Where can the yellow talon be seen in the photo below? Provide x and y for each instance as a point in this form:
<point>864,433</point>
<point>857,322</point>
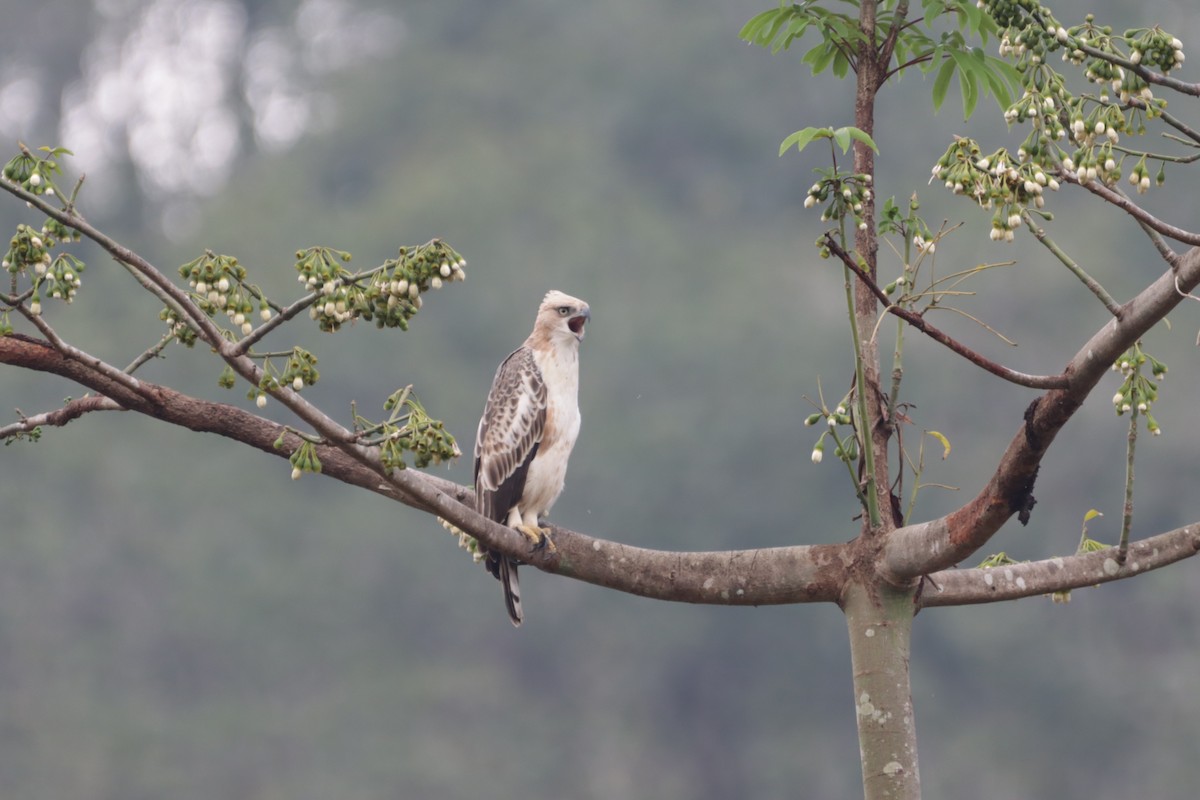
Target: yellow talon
<point>539,536</point>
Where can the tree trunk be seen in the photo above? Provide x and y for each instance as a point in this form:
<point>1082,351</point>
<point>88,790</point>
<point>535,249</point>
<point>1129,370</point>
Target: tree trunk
<point>879,619</point>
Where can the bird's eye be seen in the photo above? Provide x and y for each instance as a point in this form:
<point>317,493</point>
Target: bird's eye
<point>564,310</point>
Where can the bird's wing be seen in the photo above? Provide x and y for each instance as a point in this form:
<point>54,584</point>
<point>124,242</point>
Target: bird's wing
<point>509,434</point>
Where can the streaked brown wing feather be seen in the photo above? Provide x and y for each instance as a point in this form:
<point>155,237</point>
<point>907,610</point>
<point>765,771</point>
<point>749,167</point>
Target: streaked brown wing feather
<point>510,431</point>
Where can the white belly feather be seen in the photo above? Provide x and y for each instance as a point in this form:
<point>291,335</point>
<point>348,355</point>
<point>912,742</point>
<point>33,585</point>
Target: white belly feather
<point>548,471</point>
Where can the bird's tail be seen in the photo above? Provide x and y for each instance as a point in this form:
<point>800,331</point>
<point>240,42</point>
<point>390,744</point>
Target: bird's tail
<point>512,590</point>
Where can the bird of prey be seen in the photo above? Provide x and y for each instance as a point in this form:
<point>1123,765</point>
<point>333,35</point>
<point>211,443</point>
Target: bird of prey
<point>529,425</point>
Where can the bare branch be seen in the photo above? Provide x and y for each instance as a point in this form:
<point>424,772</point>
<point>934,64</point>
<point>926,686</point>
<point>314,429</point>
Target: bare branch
<point>937,544</point>
<point>61,416</point>
<point>917,321</point>
<point>1134,210</point>
<point>995,584</point>
<point>1079,272</point>
<point>734,577</point>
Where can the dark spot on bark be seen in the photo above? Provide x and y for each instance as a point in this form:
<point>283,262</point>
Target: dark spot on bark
<point>1022,500</point>
<point>1031,438</point>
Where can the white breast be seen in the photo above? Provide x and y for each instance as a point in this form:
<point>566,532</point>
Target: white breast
<point>548,472</point>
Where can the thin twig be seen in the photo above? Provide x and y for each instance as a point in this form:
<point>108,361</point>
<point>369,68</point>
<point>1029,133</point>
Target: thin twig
<point>73,410</point>
<point>1134,210</point>
<point>152,352</point>
<point>1149,76</point>
<point>918,322</point>
<point>1127,512</point>
<point>1091,283</point>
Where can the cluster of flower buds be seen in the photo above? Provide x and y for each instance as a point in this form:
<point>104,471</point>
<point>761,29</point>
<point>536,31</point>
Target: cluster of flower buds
<point>1154,48</point>
<point>218,284</point>
<point>28,249</point>
<point>320,270</point>
<point>395,295</point>
<point>1139,176</point>
<point>1028,33</point>
<point>61,279</point>
<point>426,438</point>
<point>846,194</point>
<point>1137,392</point>
<point>996,181</point>
<point>839,416</point>
<point>34,174</point>
<point>303,459</point>
<point>390,296</point>
<point>300,369</point>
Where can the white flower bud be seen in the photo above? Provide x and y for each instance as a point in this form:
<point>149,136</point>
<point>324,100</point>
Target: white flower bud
<point>1110,164</point>
<point>239,318</point>
<point>810,201</point>
<point>223,285</point>
<point>265,314</point>
<point>1014,221</point>
<point>435,282</point>
<point>296,473</point>
<point>201,287</point>
<point>445,270</point>
<point>1118,398</point>
<point>247,328</point>
<point>1144,183</point>
<point>413,290</point>
<point>1142,407</point>
<point>1099,127</point>
<point>1135,57</point>
<point>1176,44</point>
<point>35,180</point>
<point>36,242</point>
<point>298,383</point>
<point>261,401</point>
<point>35,308</point>
<point>817,455</point>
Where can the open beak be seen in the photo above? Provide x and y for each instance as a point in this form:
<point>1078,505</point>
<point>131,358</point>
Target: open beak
<point>577,322</point>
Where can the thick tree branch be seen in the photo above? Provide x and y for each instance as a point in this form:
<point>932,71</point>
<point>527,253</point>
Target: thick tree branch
<point>1012,581</point>
<point>735,577</point>
<point>917,321</point>
<point>935,545</point>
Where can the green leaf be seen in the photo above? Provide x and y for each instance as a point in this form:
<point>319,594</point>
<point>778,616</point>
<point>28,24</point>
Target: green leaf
<point>941,83</point>
<point>751,29</point>
<point>861,136</point>
<point>842,138</point>
<point>801,139</point>
<point>841,64</point>
<point>967,82</point>
<point>820,56</point>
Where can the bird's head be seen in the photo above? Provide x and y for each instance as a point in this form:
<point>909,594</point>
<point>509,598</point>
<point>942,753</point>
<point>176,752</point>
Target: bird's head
<point>562,317</point>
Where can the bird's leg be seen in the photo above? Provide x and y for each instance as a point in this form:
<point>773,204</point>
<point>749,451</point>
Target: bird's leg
<point>539,536</point>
